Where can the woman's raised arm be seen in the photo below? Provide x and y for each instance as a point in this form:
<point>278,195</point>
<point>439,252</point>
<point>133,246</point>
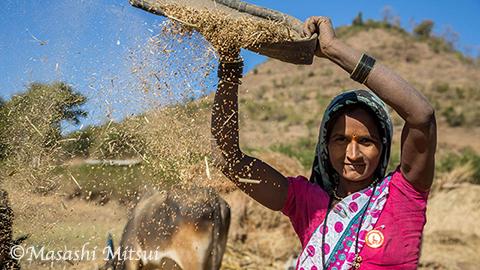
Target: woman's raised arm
<point>419,137</point>
<point>256,178</point>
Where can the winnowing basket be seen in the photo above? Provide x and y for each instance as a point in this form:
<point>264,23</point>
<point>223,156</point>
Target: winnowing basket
<point>265,31</point>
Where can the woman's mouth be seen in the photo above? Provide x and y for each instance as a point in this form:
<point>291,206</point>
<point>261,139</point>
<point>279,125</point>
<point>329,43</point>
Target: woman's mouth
<point>355,165</point>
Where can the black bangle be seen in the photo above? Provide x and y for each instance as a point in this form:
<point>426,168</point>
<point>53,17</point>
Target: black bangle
<point>363,68</point>
<point>230,72</point>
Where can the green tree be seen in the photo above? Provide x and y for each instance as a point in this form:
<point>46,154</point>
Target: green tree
<point>358,19</point>
<point>32,120</point>
<point>424,29</point>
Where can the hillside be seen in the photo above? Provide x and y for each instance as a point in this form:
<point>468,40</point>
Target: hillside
<point>290,99</point>
<point>281,107</point>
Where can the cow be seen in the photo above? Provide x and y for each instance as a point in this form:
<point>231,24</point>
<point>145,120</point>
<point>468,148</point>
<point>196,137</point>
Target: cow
<point>184,228</point>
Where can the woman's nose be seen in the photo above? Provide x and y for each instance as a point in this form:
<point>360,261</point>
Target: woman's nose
<point>353,151</point>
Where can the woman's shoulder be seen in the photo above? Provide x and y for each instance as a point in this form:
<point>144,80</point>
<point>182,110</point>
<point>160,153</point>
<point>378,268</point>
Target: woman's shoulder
<point>303,193</point>
<point>400,184</point>
<point>302,186</point>
<point>306,206</point>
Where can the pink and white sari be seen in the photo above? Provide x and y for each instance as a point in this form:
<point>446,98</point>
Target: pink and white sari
<point>341,229</point>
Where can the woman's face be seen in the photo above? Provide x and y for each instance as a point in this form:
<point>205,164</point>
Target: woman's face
<point>354,145</point>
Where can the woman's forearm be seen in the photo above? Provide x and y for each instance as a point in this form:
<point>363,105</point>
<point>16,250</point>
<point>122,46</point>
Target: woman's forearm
<point>409,103</point>
<point>253,176</point>
<point>224,126</point>
<point>264,184</point>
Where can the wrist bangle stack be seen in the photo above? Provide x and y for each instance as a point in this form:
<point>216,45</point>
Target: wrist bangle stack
<point>362,69</point>
<point>230,72</point>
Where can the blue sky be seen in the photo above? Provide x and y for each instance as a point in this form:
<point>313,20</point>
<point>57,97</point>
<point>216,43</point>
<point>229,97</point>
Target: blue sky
<point>87,42</point>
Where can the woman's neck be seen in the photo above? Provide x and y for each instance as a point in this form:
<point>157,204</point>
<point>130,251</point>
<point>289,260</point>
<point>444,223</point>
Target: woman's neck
<point>346,187</point>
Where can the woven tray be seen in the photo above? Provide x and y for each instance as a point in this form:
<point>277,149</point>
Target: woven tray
<point>291,48</point>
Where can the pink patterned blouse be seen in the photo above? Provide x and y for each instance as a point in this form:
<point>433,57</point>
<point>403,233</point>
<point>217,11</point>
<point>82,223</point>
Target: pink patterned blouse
<point>401,221</point>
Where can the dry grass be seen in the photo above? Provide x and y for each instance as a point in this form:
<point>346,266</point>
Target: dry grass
<point>463,174</point>
<point>452,217</point>
<point>226,32</point>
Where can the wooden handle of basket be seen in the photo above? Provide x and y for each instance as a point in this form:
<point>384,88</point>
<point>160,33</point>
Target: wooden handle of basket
<point>262,12</point>
<point>147,6</point>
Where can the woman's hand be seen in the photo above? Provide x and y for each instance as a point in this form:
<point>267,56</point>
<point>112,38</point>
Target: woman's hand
<point>322,26</point>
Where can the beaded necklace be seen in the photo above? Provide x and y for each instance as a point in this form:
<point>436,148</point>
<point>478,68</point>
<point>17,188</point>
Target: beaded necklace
<point>358,259</point>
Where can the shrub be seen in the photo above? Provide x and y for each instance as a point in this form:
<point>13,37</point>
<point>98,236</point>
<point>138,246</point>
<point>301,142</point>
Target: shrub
<point>424,29</point>
<point>358,19</point>
<point>438,45</point>
<point>303,150</point>
<point>453,160</point>
<point>78,143</point>
<point>119,143</point>
<point>453,118</point>
<point>442,88</point>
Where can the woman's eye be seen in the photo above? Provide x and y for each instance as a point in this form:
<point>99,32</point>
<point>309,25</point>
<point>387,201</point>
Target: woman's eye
<point>365,141</point>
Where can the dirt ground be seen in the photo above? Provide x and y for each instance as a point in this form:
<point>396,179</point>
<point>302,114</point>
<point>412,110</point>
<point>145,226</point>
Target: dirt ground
<point>452,234</point>
<point>451,238</point>
<point>258,238</point>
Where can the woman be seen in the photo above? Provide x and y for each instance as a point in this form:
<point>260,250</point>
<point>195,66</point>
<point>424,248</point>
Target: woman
<point>350,215</point>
